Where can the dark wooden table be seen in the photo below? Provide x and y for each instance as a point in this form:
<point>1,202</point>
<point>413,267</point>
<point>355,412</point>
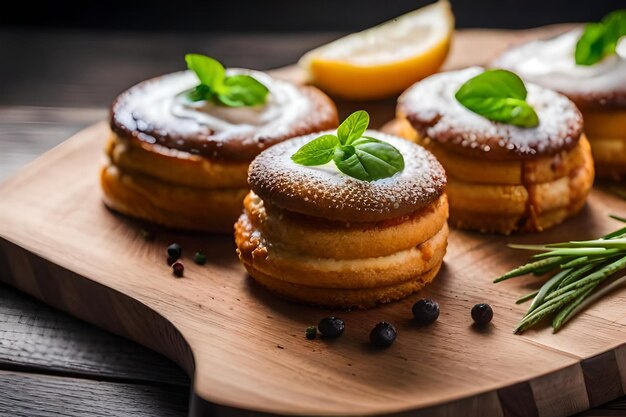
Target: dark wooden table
<point>53,84</point>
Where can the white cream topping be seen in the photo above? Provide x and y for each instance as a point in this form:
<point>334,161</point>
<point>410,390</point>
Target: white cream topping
<point>435,96</point>
<point>165,102</point>
<point>551,63</point>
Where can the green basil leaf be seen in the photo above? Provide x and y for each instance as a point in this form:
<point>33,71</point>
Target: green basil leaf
<point>506,110</point>
<point>317,152</point>
<point>241,90</point>
<point>590,46</point>
<point>498,95</point>
<point>380,159</point>
<point>493,83</point>
<point>368,159</point>
<point>348,162</point>
<point>353,127</point>
<point>209,71</point>
<point>200,92</point>
<point>600,39</point>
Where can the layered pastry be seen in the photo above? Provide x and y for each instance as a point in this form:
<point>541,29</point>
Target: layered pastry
<point>599,91</point>
<point>182,163</point>
<point>501,178</point>
<point>320,237</point>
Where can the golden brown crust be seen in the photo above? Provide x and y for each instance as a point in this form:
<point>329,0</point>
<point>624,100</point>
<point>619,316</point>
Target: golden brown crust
<point>307,235</point>
<point>342,298</point>
<point>433,112</point>
<point>170,205</point>
<point>508,196</point>
<point>326,193</point>
<point>314,271</point>
<point>189,136</point>
<point>607,136</point>
<point>532,207</point>
<point>174,166</point>
<point>329,263</point>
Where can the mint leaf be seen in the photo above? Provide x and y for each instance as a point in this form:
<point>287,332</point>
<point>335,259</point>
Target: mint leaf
<point>380,159</point>
<point>368,159</point>
<point>363,158</point>
<point>200,92</point>
<point>353,127</point>
<point>241,90</point>
<point>498,95</point>
<point>590,46</point>
<point>348,162</point>
<point>600,39</point>
<point>231,91</point>
<point>209,71</point>
<point>317,152</point>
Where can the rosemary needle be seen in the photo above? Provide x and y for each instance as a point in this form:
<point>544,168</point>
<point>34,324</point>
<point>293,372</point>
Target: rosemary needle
<point>577,269</point>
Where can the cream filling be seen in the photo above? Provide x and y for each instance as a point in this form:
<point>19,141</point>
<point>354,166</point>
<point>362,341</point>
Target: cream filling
<point>551,63</point>
<point>167,101</point>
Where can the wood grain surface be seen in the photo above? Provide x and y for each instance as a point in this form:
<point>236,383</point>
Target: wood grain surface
<point>114,399</point>
<point>450,362</point>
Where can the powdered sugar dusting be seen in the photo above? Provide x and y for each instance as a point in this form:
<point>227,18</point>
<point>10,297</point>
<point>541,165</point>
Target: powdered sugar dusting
<point>434,111</point>
<point>326,192</point>
<point>158,111</point>
<point>551,63</point>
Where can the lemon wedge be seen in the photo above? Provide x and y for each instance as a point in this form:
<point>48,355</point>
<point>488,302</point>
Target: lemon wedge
<point>386,59</point>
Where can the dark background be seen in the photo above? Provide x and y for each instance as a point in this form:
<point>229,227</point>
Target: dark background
<point>289,15</point>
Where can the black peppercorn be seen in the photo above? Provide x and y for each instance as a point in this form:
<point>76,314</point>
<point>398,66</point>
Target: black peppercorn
<point>426,311</point>
<point>331,327</point>
<point>383,334</point>
<point>482,313</point>
<point>174,251</point>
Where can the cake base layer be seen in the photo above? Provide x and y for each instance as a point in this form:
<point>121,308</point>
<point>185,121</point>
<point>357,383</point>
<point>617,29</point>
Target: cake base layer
<point>170,205</point>
<point>508,196</point>
<point>342,298</point>
<point>339,278</point>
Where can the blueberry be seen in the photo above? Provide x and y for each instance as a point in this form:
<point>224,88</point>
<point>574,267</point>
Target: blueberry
<point>174,251</point>
<point>426,311</point>
<point>331,327</point>
<point>383,334</point>
<point>482,313</point>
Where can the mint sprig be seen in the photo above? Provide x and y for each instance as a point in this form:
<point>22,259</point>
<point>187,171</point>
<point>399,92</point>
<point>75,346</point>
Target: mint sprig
<point>580,266</point>
<point>361,157</point>
<point>498,95</point>
<point>600,39</point>
<point>215,85</point>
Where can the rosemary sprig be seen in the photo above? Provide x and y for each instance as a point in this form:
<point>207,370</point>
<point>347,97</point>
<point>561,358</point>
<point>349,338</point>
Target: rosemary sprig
<point>577,268</point>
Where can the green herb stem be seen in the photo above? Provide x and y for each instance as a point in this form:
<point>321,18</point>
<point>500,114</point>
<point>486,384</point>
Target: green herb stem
<point>598,275</point>
<point>526,297</point>
<point>530,267</point>
<point>585,301</point>
<point>578,269</point>
<point>546,288</point>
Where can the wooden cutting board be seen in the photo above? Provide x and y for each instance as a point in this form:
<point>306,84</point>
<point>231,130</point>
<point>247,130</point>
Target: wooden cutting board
<point>246,348</point>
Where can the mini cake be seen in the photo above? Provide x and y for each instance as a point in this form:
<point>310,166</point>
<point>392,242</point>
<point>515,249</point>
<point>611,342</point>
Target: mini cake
<point>320,237</point>
<point>599,91</point>
<point>501,178</point>
<point>182,163</point>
